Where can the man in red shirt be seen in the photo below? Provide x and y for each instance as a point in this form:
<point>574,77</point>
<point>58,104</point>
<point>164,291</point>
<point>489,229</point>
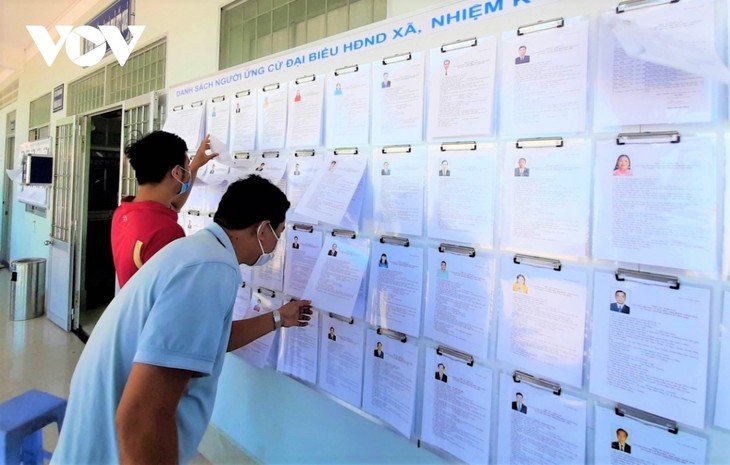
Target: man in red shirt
<point>144,224</point>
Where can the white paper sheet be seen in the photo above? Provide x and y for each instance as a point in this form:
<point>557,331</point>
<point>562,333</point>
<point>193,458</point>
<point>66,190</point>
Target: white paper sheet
<point>546,199</point>
<point>192,221</point>
<point>461,190</point>
<point>457,402</point>
<point>215,173</point>
<point>660,211</point>
<point>633,91</point>
<point>306,102</point>
<point>341,358</point>
<point>298,350</point>
<point>217,121</point>
<point>338,274</point>
<point>271,166</point>
<point>329,194</point>
<point>257,352</point>
<point>271,125</point>
<point>398,191</point>
<point>351,218</point>
<point>459,300</point>
<point>398,89</point>
<point>542,320</point>
<point>544,80</point>
<point>654,357</point>
<point>303,248</point>
<point>244,294</point>
<point>722,401</point>
<point>396,287</point>
<point>389,384</point>
<point>537,426</point>
<point>301,170</point>
<point>243,122</point>
<point>647,443</point>
<point>726,228</point>
<point>188,124</point>
<point>461,90</point>
<point>348,108</point>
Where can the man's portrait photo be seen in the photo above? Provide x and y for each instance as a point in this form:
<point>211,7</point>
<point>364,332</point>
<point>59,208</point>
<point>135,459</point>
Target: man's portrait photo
<point>331,335</point>
<point>378,352</point>
<point>295,242</point>
<point>444,171</point>
<point>333,164</point>
<point>386,81</point>
<point>521,169</point>
<point>441,373</point>
<point>443,272</point>
<point>333,251</point>
<point>386,169</point>
<point>297,172</point>
<point>621,445</point>
<point>518,405</point>
<point>523,57</point>
<point>620,304</point>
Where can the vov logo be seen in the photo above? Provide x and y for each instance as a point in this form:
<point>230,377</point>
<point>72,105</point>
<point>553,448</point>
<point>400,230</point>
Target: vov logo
<point>72,38</point>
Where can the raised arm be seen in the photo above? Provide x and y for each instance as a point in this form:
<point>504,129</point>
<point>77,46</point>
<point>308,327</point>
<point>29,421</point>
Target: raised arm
<point>198,161</point>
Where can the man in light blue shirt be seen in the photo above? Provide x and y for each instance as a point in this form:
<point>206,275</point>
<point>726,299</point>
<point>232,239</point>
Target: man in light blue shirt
<point>144,387</point>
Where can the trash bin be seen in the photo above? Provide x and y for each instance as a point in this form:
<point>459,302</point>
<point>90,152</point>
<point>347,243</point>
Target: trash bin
<point>27,288</point>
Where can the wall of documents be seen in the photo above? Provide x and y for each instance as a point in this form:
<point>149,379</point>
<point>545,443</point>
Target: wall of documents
<point>511,218</point>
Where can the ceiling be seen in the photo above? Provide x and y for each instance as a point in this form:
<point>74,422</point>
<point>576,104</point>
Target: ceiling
<point>16,45</point>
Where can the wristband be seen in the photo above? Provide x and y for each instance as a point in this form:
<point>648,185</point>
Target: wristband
<point>277,319</point>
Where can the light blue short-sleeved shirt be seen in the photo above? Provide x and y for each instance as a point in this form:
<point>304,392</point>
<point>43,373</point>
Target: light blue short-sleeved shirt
<point>175,312</point>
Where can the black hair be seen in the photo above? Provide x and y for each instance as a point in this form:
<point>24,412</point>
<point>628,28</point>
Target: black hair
<point>250,201</point>
<point>621,429</point>
<point>519,394</point>
<point>155,154</point>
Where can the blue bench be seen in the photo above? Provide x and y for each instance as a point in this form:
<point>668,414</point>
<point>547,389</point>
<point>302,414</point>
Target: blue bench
<point>22,419</point>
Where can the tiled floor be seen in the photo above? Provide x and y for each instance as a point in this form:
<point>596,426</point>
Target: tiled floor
<point>37,354</point>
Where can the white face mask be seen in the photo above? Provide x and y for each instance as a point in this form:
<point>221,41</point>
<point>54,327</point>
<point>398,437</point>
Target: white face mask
<point>265,257</point>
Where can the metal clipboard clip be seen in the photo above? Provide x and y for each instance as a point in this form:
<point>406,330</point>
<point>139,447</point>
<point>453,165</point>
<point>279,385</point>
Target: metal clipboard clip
<point>671,281</point>
<point>657,137</point>
<point>346,151</point>
<point>270,154</point>
<point>344,233</point>
<point>459,44</point>
<point>458,250</point>
<point>456,355</point>
<point>397,58</point>
<point>305,79</point>
<point>395,240</point>
<point>241,156</point>
<point>403,148</point>
<point>629,5</point>
<point>520,376</point>
<point>178,108</point>
<point>539,142</point>
<point>194,212</point>
<point>266,292</point>
<point>392,334</point>
<point>304,153</point>
<point>243,93</point>
<point>220,98</point>
<point>467,145</point>
<point>270,87</point>
<point>344,319</point>
<point>196,104</point>
<point>347,69</point>
<point>555,264</point>
<point>540,26</point>
<point>303,227</point>
<point>646,418</point>
<point>211,215</point>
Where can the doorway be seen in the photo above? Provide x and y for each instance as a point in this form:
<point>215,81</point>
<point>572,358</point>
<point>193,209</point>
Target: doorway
<point>104,150</point>
<point>7,190</point>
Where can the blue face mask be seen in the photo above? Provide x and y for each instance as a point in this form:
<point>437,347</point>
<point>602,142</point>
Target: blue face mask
<point>185,185</point>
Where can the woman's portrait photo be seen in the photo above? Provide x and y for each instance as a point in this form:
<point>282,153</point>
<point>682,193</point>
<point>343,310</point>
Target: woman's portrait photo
<point>623,166</point>
<point>383,263</point>
<point>519,285</point>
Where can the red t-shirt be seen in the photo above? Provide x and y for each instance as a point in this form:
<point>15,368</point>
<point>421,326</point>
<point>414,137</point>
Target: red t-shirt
<point>139,230</point>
